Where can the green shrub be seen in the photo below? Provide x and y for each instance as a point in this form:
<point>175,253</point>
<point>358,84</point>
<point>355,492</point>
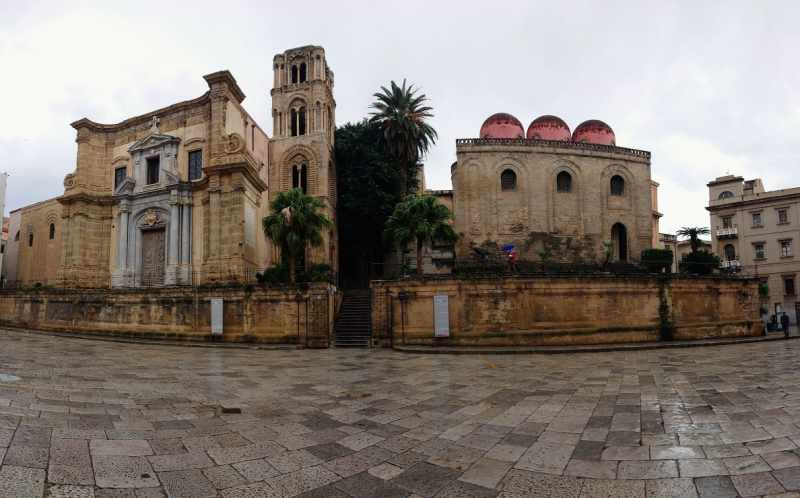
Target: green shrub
<point>700,263</point>
<point>657,260</point>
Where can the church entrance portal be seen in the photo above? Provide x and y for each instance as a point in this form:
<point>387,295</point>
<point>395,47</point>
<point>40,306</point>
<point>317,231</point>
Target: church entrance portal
<point>620,237</point>
<point>153,257</point>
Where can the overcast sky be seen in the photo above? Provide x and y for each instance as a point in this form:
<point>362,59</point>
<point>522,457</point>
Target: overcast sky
<point>707,87</point>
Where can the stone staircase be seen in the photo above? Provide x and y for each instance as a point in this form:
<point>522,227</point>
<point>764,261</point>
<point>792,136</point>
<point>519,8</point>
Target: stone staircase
<point>353,326</point>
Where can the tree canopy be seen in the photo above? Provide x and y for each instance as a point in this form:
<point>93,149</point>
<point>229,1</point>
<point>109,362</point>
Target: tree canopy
<point>693,233</point>
<point>295,222</point>
<point>401,116</point>
<point>421,219</point>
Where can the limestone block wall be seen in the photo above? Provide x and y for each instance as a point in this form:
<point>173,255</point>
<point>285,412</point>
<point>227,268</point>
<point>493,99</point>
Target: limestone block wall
<point>566,310</point>
<point>251,313</point>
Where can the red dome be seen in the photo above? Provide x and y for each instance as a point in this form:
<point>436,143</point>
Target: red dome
<point>594,132</point>
<point>548,128</point>
<point>502,125</point>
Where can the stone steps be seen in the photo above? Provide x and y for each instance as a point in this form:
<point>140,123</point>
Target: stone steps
<point>354,323</point>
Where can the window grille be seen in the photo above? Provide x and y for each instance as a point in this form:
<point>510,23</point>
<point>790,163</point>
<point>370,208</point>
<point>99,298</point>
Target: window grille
<point>783,216</point>
<point>617,185</point>
<point>508,180</point>
<point>786,248</point>
<point>153,164</point>
<point>195,164</point>
<point>759,251</point>
<point>564,182</point>
<point>756,219</point>
<point>119,176</point>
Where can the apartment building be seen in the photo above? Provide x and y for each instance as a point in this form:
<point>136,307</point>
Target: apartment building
<point>755,228</point>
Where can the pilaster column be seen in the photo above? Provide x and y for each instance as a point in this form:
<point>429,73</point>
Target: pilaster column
<point>186,234</point>
<point>173,232</point>
<point>122,237</point>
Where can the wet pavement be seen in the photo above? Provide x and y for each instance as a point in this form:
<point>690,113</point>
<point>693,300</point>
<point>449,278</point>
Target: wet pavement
<point>90,418</point>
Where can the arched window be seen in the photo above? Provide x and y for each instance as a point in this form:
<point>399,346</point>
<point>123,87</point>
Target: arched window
<point>294,74</point>
<point>508,180</point>
<point>564,182</point>
<point>30,240</point>
<point>617,185</point>
<point>725,195</point>
<point>300,177</point>
<point>52,231</point>
<point>730,252</point>
<point>301,127</point>
<point>302,72</point>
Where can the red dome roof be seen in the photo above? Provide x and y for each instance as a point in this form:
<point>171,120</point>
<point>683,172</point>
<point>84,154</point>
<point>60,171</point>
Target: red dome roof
<point>548,128</point>
<point>502,125</point>
<point>595,132</point>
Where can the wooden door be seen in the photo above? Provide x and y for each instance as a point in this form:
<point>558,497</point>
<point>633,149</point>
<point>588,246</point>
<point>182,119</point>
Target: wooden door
<point>153,257</point>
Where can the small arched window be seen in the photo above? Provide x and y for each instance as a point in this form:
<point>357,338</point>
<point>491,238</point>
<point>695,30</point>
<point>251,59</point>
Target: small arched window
<point>508,180</point>
<point>617,185</point>
<point>52,231</point>
<point>294,74</point>
<point>564,182</point>
<point>725,195</point>
<point>302,72</point>
<point>301,126</point>
<point>30,240</point>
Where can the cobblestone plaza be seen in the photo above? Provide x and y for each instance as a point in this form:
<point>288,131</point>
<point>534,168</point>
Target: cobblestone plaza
<point>106,419</point>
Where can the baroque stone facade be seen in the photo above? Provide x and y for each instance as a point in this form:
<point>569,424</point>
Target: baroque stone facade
<point>550,192</point>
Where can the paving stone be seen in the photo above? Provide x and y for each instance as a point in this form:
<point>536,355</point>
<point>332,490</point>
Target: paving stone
<point>187,484</point>
<point>114,471</point>
<point>460,489</point>
<point>746,465</point>
<point>702,468</point>
<point>132,447</point>
<point>647,469</point>
<point>64,474</point>
<point>385,471</point>
<point>789,478</point>
<point>715,487</point>
<point>257,490</point>
<point>302,480</point>
<point>32,436</point>
<point>781,459</point>
<point>70,491</point>
<point>726,451</point>
<point>425,479</point>
<point>593,469</point>
<point>626,453</point>
<point>347,466</point>
<point>658,452</point>
<point>224,456</point>
<point>756,484</point>
<point>456,457</point>
<point>22,482</point>
<point>364,485</point>
<point>255,470</point>
<point>670,488</point>
<point>486,472</point>
<point>603,488</point>
<point>26,456</point>
<point>771,446</point>
<point>181,461</point>
<point>224,476</point>
<point>551,458</point>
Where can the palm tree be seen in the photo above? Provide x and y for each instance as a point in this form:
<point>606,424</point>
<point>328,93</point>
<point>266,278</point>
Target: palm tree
<point>420,218</point>
<point>294,223</point>
<point>693,234</point>
<point>543,255</point>
<point>400,114</point>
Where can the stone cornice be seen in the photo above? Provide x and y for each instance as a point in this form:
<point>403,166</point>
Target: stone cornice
<point>181,106</point>
<point>503,144</point>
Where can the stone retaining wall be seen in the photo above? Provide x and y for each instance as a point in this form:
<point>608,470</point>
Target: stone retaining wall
<point>554,310</point>
<point>250,313</point>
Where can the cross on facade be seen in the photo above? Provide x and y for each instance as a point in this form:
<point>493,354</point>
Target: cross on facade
<point>154,124</point>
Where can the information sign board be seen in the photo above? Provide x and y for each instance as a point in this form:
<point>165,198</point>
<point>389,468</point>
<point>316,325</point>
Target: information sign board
<point>216,316</point>
<point>441,316</point>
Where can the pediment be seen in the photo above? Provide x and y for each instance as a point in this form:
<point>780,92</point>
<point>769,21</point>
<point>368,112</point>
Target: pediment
<point>170,177</point>
<point>126,187</point>
<point>154,140</point>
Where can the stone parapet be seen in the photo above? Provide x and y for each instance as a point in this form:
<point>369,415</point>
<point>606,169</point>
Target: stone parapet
<point>553,310</point>
<point>251,313</point>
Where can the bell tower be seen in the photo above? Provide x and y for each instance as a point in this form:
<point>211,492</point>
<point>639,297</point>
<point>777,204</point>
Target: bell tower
<point>301,150</point>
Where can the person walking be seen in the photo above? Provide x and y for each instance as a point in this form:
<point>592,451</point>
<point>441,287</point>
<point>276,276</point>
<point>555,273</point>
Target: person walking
<point>773,322</point>
<point>512,261</point>
<point>785,324</point>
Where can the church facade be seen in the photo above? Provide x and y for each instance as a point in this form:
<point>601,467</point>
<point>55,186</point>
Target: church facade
<point>549,189</point>
<point>176,196</point>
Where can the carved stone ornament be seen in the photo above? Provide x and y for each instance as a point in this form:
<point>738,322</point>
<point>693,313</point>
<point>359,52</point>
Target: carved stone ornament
<point>234,144</point>
<point>69,181</point>
<point>151,219</point>
<point>82,137</point>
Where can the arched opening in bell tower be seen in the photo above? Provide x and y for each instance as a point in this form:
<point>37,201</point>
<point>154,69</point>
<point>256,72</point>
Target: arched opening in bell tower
<point>303,72</point>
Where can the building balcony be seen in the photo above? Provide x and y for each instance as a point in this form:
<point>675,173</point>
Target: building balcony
<point>727,232</point>
<point>733,263</point>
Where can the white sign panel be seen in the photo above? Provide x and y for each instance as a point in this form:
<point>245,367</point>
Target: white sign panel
<point>250,225</point>
<point>441,316</point>
<point>216,315</point>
